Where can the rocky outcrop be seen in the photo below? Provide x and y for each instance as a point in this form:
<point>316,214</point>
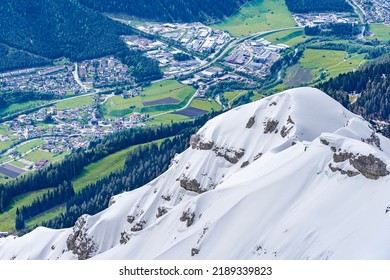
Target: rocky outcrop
<point>196,142</point>
<point>79,243</point>
<point>244,164</point>
<point>285,131</point>
<point>125,237</point>
<point>349,173</point>
<point>231,155</point>
<point>188,217</point>
<point>130,219</point>
<point>161,211</point>
<point>270,126</point>
<point>138,226</point>
<point>250,122</point>
<point>191,185</point>
<point>369,166</point>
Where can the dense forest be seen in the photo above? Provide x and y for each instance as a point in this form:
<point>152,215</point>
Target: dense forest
<point>319,6</point>
<point>142,165</point>
<point>168,10</point>
<point>11,58</point>
<point>344,30</point>
<point>372,86</point>
<point>54,29</point>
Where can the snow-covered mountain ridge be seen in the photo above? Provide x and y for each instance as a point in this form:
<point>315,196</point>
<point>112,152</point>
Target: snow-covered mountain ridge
<point>292,176</point>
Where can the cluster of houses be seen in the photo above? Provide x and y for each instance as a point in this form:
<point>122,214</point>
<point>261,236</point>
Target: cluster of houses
<point>376,11</point>
<point>255,57</point>
<point>312,19</point>
<point>164,54</point>
<point>193,36</point>
<point>104,72</point>
<point>54,79</point>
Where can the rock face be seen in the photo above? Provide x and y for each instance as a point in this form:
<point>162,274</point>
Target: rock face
<point>196,142</point>
<point>191,185</point>
<point>250,122</point>
<point>369,166</point>
<point>270,126</point>
<point>231,155</point>
<point>79,243</point>
<point>188,217</point>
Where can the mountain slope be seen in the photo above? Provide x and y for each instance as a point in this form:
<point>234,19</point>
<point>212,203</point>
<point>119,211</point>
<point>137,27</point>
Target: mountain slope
<point>292,176</point>
<point>168,10</point>
<point>53,29</point>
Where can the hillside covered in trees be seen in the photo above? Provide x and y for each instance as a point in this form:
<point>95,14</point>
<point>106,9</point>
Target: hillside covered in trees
<point>311,6</point>
<point>31,30</point>
<point>372,86</point>
<point>168,10</point>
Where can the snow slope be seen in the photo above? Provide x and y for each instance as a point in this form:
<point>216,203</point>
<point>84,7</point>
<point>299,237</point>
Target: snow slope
<point>292,176</point>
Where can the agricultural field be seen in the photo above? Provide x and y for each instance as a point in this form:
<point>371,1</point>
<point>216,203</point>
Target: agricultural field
<point>72,103</point>
<point>38,155</point>
<point>159,97</point>
<point>14,108</point>
<point>328,63</point>
<point>257,16</point>
<point>288,37</point>
<point>381,32</point>
<point>205,104</point>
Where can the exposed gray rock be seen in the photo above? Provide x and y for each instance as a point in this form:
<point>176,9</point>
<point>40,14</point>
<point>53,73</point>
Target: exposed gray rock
<point>256,157</point>
<point>323,141</point>
<point>188,217</point>
<point>194,251</point>
<point>125,237</point>
<point>285,131</point>
<point>290,121</point>
<point>161,211</point>
<point>370,166</point>
<point>130,219</point>
<point>270,126</point>
<point>232,156</point>
<point>245,163</point>
<point>250,122</point>
<point>197,143</point>
<point>167,197</point>
<point>79,243</point>
<point>138,226</point>
<point>191,185</point>
<point>349,173</point>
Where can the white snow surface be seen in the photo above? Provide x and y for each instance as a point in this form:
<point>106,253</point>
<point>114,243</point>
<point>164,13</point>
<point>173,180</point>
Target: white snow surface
<point>284,202</point>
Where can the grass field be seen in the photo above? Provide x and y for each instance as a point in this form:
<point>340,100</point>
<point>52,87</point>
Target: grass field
<point>97,170</point>
<point>168,118</point>
<point>7,218</point>
<point>288,37</point>
<point>45,216</point>
<point>382,32</point>
<point>30,145</point>
<point>13,108</point>
<point>205,104</point>
<point>18,164</point>
<point>256,16</point>
<point>319,60</point>
<point>75,102</point>
<point>117,106</point>
<point>38,155</point>
<point>331,61</point>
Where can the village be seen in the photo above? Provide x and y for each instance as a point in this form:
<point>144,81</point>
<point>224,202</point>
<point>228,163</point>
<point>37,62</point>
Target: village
<point>312,19</point>
<point>53,79</point>
<point>195,37</point>
<point>254,57</point>
<point>171,60</point>
<point>375,11</point>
